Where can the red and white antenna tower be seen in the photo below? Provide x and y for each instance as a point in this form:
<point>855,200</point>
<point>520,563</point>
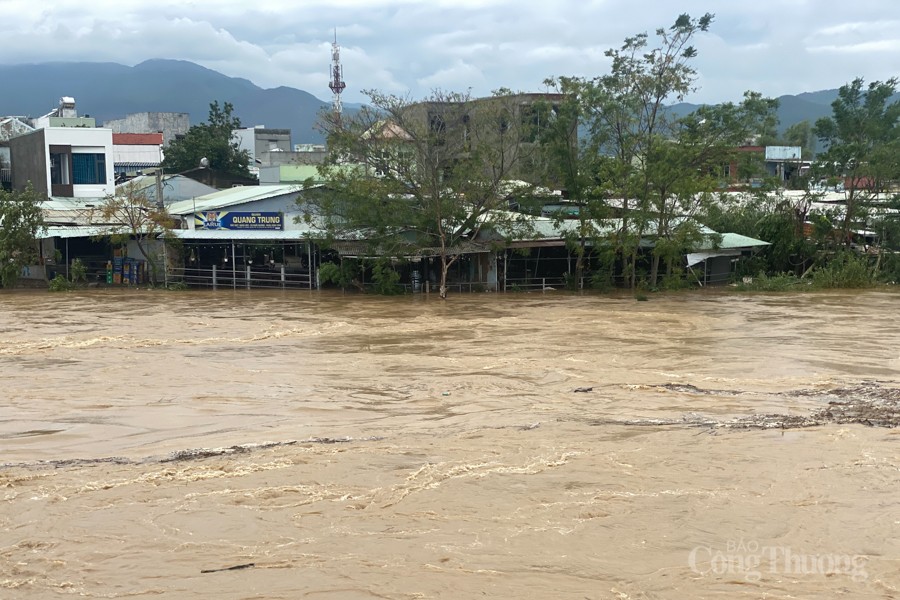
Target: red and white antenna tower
<point>337,84</point>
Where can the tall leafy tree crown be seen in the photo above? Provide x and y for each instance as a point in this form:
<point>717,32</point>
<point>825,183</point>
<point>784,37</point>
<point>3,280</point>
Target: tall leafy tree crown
<point>213,140</point>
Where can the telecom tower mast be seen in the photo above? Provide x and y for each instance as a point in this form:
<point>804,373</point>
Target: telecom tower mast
<point>337,84</point>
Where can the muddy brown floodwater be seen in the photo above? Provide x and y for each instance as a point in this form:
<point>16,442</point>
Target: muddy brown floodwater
<point>359,447</point>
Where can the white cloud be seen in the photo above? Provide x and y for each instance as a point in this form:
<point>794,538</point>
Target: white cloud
<point>458,77</point>
<point>774,46</point>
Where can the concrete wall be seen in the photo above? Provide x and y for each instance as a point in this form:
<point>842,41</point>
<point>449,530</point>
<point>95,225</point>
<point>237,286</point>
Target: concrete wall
<point>48,121</point>
<point>272,141</point>
<point>171,124</point>
<point>265,145</point>
<point>29,158</point>
<point>85,141</point>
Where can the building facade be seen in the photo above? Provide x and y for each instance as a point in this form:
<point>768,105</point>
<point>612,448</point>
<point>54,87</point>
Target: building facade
<point>69,162</point>
<point>170,124</point>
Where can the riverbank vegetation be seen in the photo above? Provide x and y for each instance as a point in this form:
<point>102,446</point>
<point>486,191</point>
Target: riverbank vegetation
<point>637,186</point>
<point>21,223</point>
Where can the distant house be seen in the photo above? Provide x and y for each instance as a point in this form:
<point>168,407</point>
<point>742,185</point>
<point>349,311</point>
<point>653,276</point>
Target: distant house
<point>136,152</point>
<point>219,180</point>
<point>170,124</point>
<point>64,115</point>
<point>69,162</point>
<point>272,148</point>
<point>782,163</point>
<point>11,127</point>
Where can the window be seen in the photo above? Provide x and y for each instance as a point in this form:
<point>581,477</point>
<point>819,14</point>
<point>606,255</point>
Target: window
<point>536,118</point>
<point>88,169</point>
<point>59,168</point>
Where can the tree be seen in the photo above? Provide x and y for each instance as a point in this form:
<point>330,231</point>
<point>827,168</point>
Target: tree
<point>638,159</point>
<point>627,114</point>
<point>431,175</point>
<point>572,162</point>
<point>862,146</point>
<point>684,173</point>
<point>131,216</point>
<point>801,134</point>
<point>214,141</point>
<point>21,222</point>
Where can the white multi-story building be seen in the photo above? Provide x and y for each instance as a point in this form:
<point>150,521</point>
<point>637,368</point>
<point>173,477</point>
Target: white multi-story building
<point>69,162</point>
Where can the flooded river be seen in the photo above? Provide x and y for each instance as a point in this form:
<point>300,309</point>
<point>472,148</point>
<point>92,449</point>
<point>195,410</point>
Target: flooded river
<point>356,447</point>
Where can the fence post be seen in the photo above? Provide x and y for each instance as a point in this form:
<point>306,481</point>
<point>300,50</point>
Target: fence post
<point>282,276</point>
<point>215,283</point>
<point>248,277</point>
<point>543,284</point>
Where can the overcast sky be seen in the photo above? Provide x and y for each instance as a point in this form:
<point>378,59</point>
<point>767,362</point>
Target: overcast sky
<point>409,46</point>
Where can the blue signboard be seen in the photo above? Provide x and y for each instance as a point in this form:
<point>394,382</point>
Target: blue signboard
<point>230,220</point>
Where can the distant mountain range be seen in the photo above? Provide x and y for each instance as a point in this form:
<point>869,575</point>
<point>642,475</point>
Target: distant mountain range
<point>110,91</point>
<point>807,106</point>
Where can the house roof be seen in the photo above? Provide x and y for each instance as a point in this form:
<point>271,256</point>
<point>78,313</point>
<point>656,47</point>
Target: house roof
<point>736,240</point>
<point>231,197</point>
<point>137,139</point>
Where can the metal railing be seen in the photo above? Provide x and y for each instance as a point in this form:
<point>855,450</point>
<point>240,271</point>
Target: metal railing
<point>538,284</point>
<point>243,278</point>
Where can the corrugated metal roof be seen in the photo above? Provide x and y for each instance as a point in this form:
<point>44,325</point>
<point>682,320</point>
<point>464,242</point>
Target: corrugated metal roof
<point>79,231</point>
<point>736,240</point>
<point>231,197</point>
<point>64,203</point>
<point>364,249</point>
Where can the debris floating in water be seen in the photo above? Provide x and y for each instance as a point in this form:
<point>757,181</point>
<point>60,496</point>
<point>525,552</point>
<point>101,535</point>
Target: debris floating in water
<point>583,389</point>
<point>234,568</point>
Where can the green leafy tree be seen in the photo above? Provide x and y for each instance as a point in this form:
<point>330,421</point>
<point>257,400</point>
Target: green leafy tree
<point>571,162</point>
<point>431,175</point>
<point>801,134</point>
<point>214,141</point>
<point>21,222</point>
<point>639,160</point>
<point>684,174</point>
<point>131,216</point>
<point>628,116</point>
<point>862,147</point>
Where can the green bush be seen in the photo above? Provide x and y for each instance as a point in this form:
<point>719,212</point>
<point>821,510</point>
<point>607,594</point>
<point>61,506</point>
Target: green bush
<point>601,280</point>
<point>60,284</point>
<point>342,275</point>
<point>77,271</point>
<point>890,268</point>
<point>385,280</point>
<point>845,270</point>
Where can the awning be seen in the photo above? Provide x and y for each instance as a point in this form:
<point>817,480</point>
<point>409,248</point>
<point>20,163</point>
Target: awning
<point>224,235</point>
<point>698,257</point>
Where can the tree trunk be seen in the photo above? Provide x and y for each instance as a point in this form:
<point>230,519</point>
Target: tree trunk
<point>150,262</point>
<point>579,269</point>
<point>445,267</point>
<point>654,269</point>
<point>632,268</point>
